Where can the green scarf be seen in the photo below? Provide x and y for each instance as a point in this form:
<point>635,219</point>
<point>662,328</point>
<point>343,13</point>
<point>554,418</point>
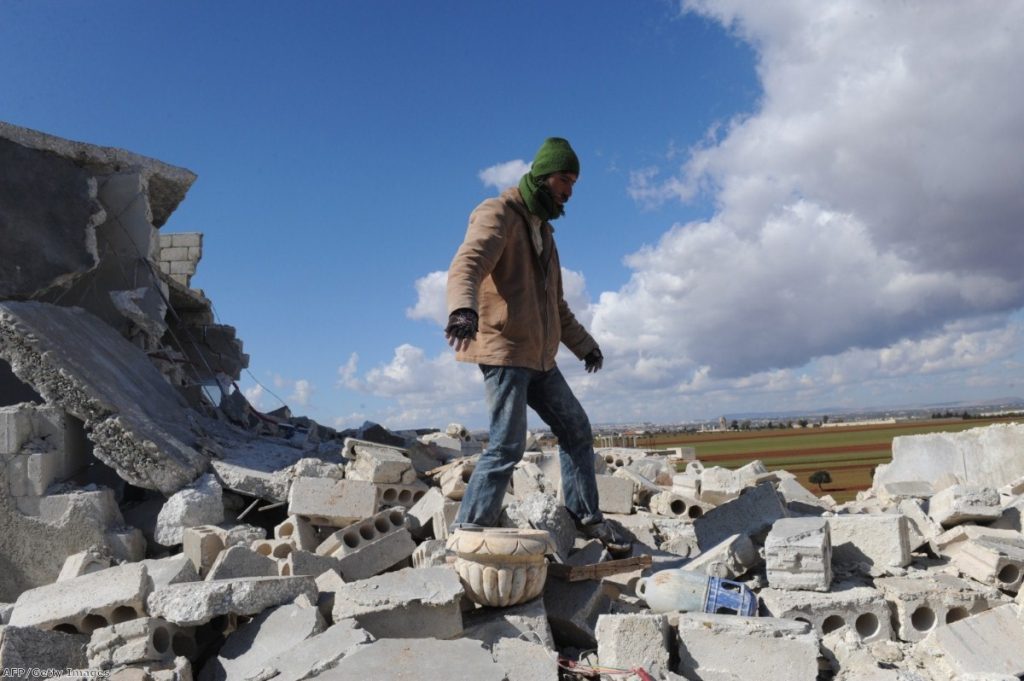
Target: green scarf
<point>538,198</point>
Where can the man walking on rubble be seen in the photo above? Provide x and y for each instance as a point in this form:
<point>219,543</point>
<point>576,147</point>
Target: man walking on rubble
<point>508,314</point>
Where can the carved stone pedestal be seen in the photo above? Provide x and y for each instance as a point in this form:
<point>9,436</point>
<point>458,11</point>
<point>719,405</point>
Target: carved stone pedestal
<point>499,566</point>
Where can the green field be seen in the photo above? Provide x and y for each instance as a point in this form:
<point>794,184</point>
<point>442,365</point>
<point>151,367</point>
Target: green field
<point>848,453</point>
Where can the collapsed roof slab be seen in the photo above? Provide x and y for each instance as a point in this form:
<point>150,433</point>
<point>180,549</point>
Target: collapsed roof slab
<point>141,426</point>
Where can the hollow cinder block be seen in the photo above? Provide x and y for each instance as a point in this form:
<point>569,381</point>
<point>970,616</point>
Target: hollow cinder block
<point>330,502</point>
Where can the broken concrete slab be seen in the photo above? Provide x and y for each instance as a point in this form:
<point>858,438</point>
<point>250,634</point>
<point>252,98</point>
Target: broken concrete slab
<point>421,516</point>
<point>271,633</point>
<point>139,424</point>
<point>730,648</point>
<point>199,503</point>
<point>408,659</point>
<point>926,602</point>
<point>630,641</point>
<point>32,648</point>
<point>542,512</point>
<point>335,503</point>
<point>378,463</point>
<point>573,609</point>
<point>732,558</point>
<point>615,495</point>
<point>851,607</point>
<point>86,603</point>
<point>875,544</point>
<point>170,570</point>
<point>83,563</point>
<point>409,603</point>
<point>238,561</point>
<point>525,661</point>
<point>146,639</point>
<point>316,654</point>
<point>193,603</point>
<point>990,556</point>
<point>527,621</point>
<point>751,513</point>
<point>962,503</point>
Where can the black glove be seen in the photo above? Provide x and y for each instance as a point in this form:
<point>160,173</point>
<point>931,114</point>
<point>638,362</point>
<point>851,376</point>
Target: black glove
<point>594,361</point>
<point>461,328</point>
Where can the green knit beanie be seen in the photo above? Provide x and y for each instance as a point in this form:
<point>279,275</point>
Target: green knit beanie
<point>555,155</point>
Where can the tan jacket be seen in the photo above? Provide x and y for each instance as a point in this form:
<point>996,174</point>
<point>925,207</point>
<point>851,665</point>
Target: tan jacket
<point>497,273</point>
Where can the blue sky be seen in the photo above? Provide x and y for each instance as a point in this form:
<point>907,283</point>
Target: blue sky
<point>811,205</point>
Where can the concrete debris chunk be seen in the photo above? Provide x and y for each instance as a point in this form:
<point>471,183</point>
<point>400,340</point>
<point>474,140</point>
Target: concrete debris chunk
<point>454,479</point>
<point>990,556</point>
<point>615,495</point>
<point>629,641</point>
<point>240,561</point>
<point>336,503</point>
<point>299,531</point>
<point>420,518</point>
<point>751,513</point>
<point>409,603</point>
<point>35,648</point>
<point>139,424</point>
<point>378,463</point>
<point>856,610</point>
<point>202,545</point>
<point>727,648</point>
<point>989,643</point>
<point>675,505</point>
<point>430,553</point>
<point>527,621</point>
<point>874,544</point>
<point>798,553</point>
<point>200,503</point>
<point>86,603</point>
<point>525,661</point>
<point>732,558</point>
<point>962,503</point>
<point>927,602</point>
<point>170,570</point>
<point>542,512</point>
<point>147,639</point>
<point>83,563</point>
<point>417,658</point>
<point>316,654</point>
<point>193,603</point>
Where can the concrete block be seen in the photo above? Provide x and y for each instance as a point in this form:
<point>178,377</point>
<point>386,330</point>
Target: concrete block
<point>752,514</point>
<point>239,561</point>
<point>420,518</point>
<point>271,633</point>
<point>628,641</point>
<point>390,494</point>
<point>732,558</point>
<point>417,658</point>
<point>991,556</point>
<point>126,544</point>
<point>299,531</point>
<point>799,499</point>
<point>892,493</point>
<point>454,480</point>
<point>146,639</point>
<point>83,563</point>
<point>991,643</point>
<point>187,239</point>
<point>409,603</point>
<point>278,549</point>
<point>193,603</point>
<point>376,556</point>
<point>615,495</point>
<point>173,253</point>
<point>730,648</point>
<point>316,654</point>
<point>921,529</point>
<point>357,535</point>
<point>527,621</point>
<point>687,483</point>
<point>962,503</point>
<point>658,469</point>
<point>718,485</point>
<point>858,611</point>
<point>525,661</point>
<point>200,503</point>
<point>430,553</point>
<point>306,563</point>
<point>202,545</point>
<point>643,489</point>
<point>31,648</point>
<point>674,505</point>
<point>798,554</point>
<point>335,503</point>
<point>573,609</point>
<point>86,603</point>
<point>527,479</point>
<point>444,517</point>
<point>542,512</point>
<point>871,543</point>
<point>928,602</point>
<point>328,583</point>
<point>378,463</point>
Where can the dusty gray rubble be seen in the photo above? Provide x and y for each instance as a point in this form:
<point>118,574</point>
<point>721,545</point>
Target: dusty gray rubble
<point>154,525</point>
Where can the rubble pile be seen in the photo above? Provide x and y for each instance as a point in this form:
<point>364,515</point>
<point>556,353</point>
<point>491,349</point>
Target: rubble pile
<point>156,526</point>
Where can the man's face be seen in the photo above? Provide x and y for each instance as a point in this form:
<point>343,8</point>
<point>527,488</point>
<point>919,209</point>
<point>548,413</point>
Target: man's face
<point>560,185</point>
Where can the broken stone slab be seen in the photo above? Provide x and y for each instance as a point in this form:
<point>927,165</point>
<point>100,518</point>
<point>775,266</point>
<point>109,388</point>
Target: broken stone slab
<point>875,544</point>
<point>925,603</point>
<point>542,512</point>
<point>991,642</point>
<point>316,654</point>
<point>83,563</point>
<point>962,503</point>
<point>987,456</point>
<point>798,554</point>
<point>409,603</point>
<point>335,503</point>
<point>525,661</point>
<point>271,633</point>
<point>255,466</point>
<point>527,479</point>
<point>921,529</point>
<point>718,485</point>
<point>850,607</point>
<point>657,469</point>
<point>677,536</point>
<point>752,513</point>
<point>238,561</point>
<point>573,609</point>
<point>417,658</point>
<point>86,603</point>
<point>990,556</point>
<point>146,639</point>
<point>306,563</point>
<point>199,503</point>
<point>454,479</point>
<point>727,648</point>
<point>629,641</point>
<point>170,570</point>
<point>732,558</point>
<point>892,493</point>
<point>193,603</point>
<point>378,463</point>
<point>643,489</point>
<point>799,499</point>
<point>328,583</point>
<point>615,495</point>
<point>421,516</point>
<point>140,425</point>
<point>30,648</point>
<point>527,621</point>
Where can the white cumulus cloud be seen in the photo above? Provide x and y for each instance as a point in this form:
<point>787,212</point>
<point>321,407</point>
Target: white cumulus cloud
<point>504,175</point>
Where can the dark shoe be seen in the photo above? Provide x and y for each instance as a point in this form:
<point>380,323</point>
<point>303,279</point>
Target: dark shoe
<point>611,536</point>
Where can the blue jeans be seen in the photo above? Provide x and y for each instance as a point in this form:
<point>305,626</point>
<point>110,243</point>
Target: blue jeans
<point>509,391</point>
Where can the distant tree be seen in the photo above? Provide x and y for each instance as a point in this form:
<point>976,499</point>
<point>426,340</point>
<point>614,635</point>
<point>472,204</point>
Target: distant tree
<point>803,423</point>
<point>824,419</point>
<point>745,425</point>
<point>820,478</point>
<point>735,425</point>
